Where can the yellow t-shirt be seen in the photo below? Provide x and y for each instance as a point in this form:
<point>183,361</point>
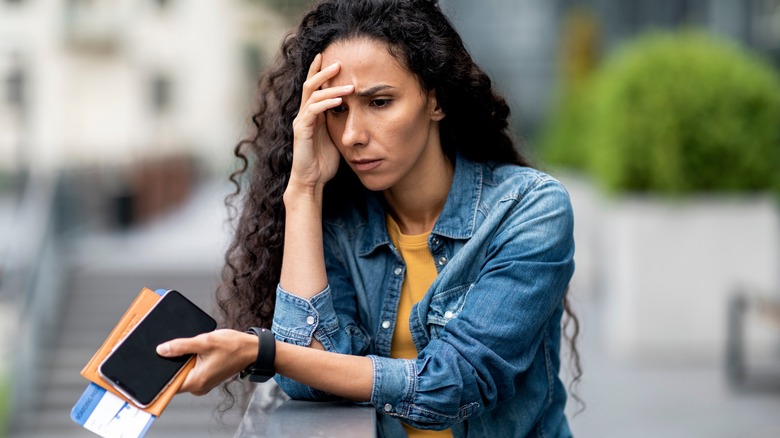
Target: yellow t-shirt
<point>420,273</point>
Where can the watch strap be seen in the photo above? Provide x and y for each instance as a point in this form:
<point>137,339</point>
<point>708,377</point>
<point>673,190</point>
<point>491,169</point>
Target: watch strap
<point>263,368</point>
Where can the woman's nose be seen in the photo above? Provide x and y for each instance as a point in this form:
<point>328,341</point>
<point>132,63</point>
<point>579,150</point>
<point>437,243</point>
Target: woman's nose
<point>355,133</point>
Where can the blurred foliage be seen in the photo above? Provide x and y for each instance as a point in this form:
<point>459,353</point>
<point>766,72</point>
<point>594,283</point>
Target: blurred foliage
<point>580,48</point>
<point>674,113</point>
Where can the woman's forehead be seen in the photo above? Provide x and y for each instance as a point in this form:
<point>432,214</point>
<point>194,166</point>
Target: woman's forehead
<point>364,62</point>
<point>364,47</point>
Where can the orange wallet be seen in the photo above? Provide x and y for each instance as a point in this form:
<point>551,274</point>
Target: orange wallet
<point>140,306</point>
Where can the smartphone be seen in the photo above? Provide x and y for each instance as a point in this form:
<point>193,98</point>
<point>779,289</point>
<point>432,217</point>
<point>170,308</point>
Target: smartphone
<point>134,368</point>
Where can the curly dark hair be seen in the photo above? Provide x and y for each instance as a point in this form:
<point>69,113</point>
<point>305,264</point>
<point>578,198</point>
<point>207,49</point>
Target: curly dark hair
<point>421,37</point>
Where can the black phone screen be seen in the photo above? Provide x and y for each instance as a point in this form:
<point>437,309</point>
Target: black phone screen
<point>135,367</point>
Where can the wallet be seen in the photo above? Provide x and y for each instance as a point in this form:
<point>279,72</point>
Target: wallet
<point>137,310</point>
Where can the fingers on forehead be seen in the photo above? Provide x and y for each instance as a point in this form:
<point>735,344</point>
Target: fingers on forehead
<point>315,65</point>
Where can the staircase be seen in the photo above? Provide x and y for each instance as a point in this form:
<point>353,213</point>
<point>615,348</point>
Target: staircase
<point>104,275</point>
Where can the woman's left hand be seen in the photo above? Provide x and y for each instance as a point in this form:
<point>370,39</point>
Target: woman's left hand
<point>221,354</point>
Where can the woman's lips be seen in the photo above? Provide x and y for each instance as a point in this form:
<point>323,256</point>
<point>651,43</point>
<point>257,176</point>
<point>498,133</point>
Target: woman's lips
<point>366,165</point>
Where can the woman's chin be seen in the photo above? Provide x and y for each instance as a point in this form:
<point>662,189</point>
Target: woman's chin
<point>374,184</point>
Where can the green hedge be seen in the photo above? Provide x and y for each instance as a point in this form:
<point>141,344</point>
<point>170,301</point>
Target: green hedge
<point>674,113</point>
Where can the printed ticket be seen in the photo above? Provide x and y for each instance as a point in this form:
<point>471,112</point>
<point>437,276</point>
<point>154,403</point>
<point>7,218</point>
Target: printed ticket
<point>109,416</point>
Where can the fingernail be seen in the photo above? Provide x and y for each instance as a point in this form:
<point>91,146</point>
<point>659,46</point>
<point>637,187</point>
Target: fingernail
<point>163,349</point>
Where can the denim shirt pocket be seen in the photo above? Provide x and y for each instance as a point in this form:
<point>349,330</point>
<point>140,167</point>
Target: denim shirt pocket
<point>445,306</point>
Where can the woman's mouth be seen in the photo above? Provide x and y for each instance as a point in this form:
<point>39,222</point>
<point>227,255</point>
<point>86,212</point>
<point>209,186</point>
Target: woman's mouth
<point>366,165</point>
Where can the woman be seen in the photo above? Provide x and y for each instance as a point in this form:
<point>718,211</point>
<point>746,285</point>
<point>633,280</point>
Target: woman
<point>417,262</point>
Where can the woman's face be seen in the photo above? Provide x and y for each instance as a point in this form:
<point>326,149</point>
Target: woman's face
<point>387,129</point>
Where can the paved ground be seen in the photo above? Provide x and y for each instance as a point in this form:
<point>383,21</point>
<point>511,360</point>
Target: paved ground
<point>655,399</point>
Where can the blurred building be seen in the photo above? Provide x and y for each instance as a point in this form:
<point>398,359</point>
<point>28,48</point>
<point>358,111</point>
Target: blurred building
<point>103,83</point>
<point>127,101</point>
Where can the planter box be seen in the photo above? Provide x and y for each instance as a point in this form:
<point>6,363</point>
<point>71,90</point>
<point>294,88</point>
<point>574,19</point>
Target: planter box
<point>667,269</point>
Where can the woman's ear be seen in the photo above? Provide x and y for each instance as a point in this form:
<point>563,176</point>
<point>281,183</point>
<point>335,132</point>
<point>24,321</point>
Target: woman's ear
<point>437,114</point>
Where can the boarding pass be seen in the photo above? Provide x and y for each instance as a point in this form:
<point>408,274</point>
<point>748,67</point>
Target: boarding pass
<point>109,416</point>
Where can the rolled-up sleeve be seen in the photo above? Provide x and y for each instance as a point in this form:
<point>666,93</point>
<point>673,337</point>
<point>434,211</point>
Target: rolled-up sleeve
<point>296,320</point>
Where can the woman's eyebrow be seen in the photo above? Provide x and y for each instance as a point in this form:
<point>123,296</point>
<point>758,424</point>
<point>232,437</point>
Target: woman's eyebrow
<point>373,90</point>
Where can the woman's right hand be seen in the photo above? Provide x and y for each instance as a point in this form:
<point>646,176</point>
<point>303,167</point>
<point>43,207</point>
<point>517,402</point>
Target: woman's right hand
<point>315,156</point>
<point>220,354</point>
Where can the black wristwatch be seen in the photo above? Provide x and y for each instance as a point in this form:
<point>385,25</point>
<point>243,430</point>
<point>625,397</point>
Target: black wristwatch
<point>263,368</point>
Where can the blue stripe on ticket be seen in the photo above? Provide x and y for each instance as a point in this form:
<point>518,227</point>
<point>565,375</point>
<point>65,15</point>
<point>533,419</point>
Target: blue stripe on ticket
<point>86,404</point>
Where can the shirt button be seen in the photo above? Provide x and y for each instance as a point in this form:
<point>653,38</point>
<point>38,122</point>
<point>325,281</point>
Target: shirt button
<point>388,407</point>
<point>310,320</point>
<point>448,314</point>
<point>385,324</point>
<point>442,261</point>
<point>435,240</point>
<point>397,271</point>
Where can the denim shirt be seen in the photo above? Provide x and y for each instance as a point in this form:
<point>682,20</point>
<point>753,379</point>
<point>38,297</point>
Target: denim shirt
<point>488,330</point>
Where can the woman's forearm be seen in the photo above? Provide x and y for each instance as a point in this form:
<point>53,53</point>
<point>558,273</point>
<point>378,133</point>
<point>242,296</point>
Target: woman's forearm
<point>342,375</point>
<point>303,262</point>
<point>223,353</point>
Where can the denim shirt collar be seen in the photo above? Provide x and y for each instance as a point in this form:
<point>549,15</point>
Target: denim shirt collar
<point>456,221</point>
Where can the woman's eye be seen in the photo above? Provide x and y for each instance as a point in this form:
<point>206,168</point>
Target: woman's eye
<point>338,110</point>
<point>380,103</point>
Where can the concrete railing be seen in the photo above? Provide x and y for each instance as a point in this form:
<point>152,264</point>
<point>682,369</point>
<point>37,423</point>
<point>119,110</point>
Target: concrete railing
<point>296,418</point>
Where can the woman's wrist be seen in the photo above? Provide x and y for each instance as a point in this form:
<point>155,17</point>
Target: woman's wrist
<point>249,349</point>
<point>302,192</point>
